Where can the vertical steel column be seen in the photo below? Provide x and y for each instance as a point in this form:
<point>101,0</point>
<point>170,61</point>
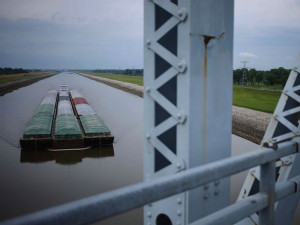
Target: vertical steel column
<point>267,186</point>
<point>187,100</point>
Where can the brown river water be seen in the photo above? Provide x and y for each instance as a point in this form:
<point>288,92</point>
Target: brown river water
<point>32,181</point>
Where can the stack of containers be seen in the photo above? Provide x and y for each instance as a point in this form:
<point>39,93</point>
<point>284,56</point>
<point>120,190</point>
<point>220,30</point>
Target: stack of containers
<point>40,124</point>
<point>66,126</point>
<point>64,95</point>
<point>91,123</point>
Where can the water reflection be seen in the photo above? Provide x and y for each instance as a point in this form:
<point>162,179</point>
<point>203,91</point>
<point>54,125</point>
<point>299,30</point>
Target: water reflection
<point>67,157</point>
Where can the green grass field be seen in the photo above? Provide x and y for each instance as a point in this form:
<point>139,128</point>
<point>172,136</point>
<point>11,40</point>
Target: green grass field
<point>262,86</point>
<point>260,100</point>
<point>125,78</point>
<point>4,78</point>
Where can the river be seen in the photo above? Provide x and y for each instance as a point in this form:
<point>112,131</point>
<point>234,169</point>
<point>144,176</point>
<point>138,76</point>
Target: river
<point>31,181</point>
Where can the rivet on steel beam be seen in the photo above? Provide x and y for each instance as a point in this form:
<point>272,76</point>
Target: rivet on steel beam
<point>205,196</point>
<point>148,42</point>
<point>149,214</point>
<point>178,212</point>
<point>148,136</point>
<point>179,201</point>
<point>216,192</point>
<point>148,90</point>
<point>206,186</point>
<point>253,201</point>
<point>287,162</point>
<point>182,13</point>
<point>178,165</point>
<point>182,66</point>
<point>181,117</point>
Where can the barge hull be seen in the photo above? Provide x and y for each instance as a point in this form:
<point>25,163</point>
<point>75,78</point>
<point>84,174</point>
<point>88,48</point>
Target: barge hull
<point>36,143</point>
<point>47,143</point>
<point>68,143</point>
<point>98,141</point>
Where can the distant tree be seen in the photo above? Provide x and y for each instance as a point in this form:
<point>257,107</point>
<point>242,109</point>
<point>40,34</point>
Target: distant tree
<point>130,72</point>
<point>270,79</point>
<point>252,76</point>
<point>8,70</point>
<point>284,79</point>
<point>259,76</point>
<point>237,75</point>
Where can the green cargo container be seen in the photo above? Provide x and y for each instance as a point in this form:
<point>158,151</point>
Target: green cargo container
<point>67,127</point>
<point>45,108</point>
<point>39,125</point>
<point>93,125</point>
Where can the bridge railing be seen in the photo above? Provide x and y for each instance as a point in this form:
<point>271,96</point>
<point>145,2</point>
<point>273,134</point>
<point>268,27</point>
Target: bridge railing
<point>102,206</point>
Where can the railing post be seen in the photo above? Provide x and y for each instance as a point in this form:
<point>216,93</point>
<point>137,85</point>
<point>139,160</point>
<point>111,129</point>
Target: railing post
<point>188,100</point>
<point>267,186</point>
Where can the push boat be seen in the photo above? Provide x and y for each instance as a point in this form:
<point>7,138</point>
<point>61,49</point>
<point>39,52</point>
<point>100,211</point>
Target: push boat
<point>65,120</point>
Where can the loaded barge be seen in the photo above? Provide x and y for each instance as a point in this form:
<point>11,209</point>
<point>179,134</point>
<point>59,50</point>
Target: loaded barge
<point>65,120</point>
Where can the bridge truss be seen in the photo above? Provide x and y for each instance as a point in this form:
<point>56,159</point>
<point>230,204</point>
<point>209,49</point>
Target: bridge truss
<point>283,126</point>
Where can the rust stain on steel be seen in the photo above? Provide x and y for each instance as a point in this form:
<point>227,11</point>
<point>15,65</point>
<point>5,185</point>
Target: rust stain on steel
<point>206,39</point>
<point>204,116</point>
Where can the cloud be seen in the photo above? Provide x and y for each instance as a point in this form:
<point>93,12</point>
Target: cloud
<point>267,13</point>
<point>73,12</point>
<point>110,33</point>
<point>268,28</point>
<point>248,55</point>
<point>32,43</point>
<point>71,33</point>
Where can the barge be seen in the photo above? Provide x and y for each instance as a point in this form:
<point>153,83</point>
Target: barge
<point>66,157</point>
<point>65,120</point>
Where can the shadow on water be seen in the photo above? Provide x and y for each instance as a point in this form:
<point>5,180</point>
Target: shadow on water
<point>67,157</point>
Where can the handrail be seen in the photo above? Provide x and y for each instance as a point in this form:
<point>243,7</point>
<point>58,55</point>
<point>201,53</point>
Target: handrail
<point>249,205</point>
<point>102,206</point>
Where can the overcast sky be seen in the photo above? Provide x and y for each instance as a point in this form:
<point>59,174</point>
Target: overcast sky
<point>94,34</point>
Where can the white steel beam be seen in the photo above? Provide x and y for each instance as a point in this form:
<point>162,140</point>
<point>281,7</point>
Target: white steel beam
<point>187,100</point>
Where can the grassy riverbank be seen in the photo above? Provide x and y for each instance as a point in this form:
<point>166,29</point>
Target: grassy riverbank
<point>125,78</point>
<point>260,100</point>
<point>5,78</point>
<point>275,87</point>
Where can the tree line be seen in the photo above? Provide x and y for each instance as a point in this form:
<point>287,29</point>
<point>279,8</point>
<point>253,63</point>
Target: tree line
<point>7,70</point>
<point>257,77</point>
